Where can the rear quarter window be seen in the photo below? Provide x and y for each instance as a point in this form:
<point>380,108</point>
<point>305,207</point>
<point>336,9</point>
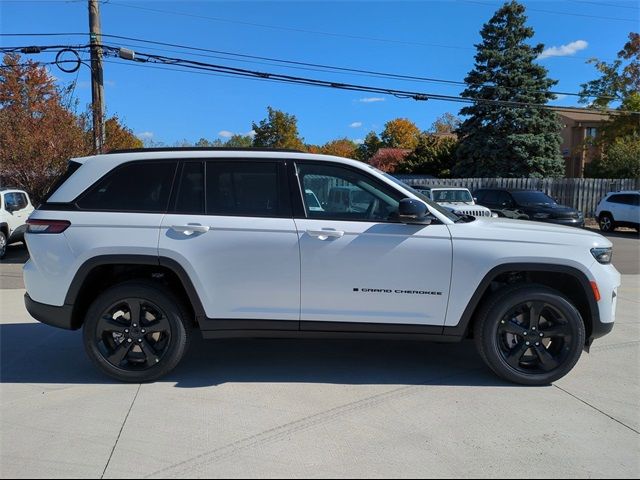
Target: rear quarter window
<point>134,187</point>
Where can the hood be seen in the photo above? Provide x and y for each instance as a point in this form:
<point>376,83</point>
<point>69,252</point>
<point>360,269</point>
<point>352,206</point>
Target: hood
<point>461,206</point>
<point>526,231</point>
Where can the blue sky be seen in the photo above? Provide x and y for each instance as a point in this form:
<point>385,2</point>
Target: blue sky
<point>425,38</point>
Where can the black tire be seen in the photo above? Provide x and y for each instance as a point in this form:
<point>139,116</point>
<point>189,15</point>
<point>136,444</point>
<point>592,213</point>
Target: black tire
<point>548,355</point>
<point>3,244</point>
<point>606,222</point>
<point>147,349</point>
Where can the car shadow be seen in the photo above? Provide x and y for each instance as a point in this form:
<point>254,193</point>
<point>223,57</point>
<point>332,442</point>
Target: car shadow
<point>624,233</point>
<point>36,353</point>
<point>17,254</point>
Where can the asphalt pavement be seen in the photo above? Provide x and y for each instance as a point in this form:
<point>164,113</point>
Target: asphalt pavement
<point>316,408</point>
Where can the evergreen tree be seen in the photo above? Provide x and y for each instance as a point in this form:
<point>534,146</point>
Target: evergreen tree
<point>508,141</point>
<point>368,148</point>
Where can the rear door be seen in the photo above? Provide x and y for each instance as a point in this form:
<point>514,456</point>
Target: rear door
<point>231,228</point>
<point>360,266</point>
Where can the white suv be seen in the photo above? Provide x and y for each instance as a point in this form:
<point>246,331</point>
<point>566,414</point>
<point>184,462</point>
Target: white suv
<point>15,208</point>
<point>140,248</point>
<point>457,199</point>
<point>619,209</point>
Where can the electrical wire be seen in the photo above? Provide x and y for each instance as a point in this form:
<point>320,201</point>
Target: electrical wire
<point>143,57</point>
<point>555,12</point>
<point>300,65</point>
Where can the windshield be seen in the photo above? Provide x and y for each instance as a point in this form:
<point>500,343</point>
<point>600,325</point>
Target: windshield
<point>532,198</point>
<point>447,213</point>
<point>451,196</point>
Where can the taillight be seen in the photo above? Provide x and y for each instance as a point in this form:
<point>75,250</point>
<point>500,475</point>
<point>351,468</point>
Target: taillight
<point>47,226</point>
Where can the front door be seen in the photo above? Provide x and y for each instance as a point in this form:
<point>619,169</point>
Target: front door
<point>358,263</point>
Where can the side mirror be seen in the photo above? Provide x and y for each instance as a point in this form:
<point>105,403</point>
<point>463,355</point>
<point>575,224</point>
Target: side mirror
<point>412,211</point>
<point>475,199</point>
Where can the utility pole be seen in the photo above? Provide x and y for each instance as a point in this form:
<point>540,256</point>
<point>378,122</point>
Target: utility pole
<point>97,81</point>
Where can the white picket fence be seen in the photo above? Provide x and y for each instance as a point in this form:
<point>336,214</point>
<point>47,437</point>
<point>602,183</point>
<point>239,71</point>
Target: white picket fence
<point>581,193</point>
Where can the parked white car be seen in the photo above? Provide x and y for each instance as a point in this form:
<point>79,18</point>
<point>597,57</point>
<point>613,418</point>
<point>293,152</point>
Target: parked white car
<point>457,199</point>
<point>619,209</point>
<point>15,208</point>
<point>142,249</point>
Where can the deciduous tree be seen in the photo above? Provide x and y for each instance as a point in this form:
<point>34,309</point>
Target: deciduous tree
<point>278,130</point>
<point>445,123</point>
<point>400,133</point>
<point>434,155</point>
<point>118,136</point>
<point>342,147</point>
<point>38,133</point>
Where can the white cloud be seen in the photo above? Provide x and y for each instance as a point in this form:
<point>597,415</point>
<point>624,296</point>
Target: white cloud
<point>371,99</point>
<point>145,135</point>
<point>359,141</point>
<point>356,125</point>
<point>564,50</point>
<point>251,133</point>
<point>225,134</point>
<point>560,96</point>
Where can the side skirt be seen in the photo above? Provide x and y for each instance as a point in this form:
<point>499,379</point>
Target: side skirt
<point>291,329</point>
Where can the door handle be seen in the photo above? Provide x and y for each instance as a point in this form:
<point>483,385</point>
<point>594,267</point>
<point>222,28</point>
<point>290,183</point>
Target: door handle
<point>190,229</point>
<point>325,234</point>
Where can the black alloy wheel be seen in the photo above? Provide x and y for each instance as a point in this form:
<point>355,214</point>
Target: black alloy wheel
<point>133,334</point>
<point>136,331</point>
<point>529,334</point>
<point>533,337</point>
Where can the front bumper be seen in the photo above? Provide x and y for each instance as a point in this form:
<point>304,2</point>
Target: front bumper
<point>61,317</point>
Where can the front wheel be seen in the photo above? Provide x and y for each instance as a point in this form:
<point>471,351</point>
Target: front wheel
<point>530,334</point>
<point>606,223</point>
<point>136,331</point>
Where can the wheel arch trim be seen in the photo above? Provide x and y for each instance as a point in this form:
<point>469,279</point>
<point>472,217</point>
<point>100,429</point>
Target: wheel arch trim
<point>462,327</point>
<point>150,260</point>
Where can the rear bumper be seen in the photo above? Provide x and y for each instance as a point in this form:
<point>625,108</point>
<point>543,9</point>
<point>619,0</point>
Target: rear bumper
<point>60,317</point>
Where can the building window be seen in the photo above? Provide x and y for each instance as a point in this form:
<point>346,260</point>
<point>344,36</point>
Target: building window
<point>591,132</point>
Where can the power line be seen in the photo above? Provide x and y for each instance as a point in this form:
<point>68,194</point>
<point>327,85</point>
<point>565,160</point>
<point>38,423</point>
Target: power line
<point>554,12</point>
<point>245,73</point>
<point>602,4</point>
<point>300,65</point>
<point>145,57</point>
<point>290,29</point>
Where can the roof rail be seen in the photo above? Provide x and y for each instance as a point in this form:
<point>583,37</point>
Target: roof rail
<point>204,149</point>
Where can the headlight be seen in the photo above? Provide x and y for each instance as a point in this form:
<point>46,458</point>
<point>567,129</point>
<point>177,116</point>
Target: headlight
<point>602,255</point>
<point>494,215</point>
<point>541,215</point>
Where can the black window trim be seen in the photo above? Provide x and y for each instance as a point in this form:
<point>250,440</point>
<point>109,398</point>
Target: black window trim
<point>305,216</point>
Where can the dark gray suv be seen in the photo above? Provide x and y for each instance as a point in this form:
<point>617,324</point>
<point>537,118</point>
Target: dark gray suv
<point>528,205</point>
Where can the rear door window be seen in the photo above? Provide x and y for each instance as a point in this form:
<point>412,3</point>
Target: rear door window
<point>245,188</point>
<point>135,187</point>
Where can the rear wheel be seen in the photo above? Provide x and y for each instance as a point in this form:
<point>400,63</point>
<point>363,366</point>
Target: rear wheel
<point>530,334</point>
<point>606,222</point>
<point>3,244</point>
<point>136,331</point>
